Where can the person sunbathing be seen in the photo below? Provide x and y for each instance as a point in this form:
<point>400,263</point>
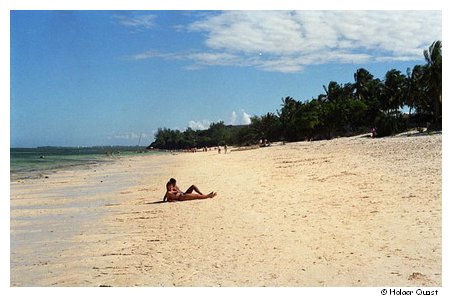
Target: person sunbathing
<point>173,193</point>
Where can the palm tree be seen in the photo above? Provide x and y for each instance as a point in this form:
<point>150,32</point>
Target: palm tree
<point>394,89</point>
<point>287,116</point>
<point>433,75</point>
<point>333,91</point>
<point>362,79</point>
<point>268,126</point>
<point>414,94</point>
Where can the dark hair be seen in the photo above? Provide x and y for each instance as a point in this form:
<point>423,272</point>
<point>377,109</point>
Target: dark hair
<point>172,181</point>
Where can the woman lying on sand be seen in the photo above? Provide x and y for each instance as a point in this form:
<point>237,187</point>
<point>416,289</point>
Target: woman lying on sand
<point>173,193</point>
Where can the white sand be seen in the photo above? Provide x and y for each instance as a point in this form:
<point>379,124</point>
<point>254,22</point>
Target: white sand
<point>346,212</point>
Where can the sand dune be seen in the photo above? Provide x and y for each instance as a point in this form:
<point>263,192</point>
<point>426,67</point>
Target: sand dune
<point>345,212</point>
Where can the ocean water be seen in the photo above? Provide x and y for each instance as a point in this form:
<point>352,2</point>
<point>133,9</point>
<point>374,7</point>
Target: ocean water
<point>39,162</point>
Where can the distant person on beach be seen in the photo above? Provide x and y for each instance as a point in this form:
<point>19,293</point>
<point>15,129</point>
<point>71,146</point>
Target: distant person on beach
<point>173,193</point>
<point>374,132</point>
<point>225,149</point>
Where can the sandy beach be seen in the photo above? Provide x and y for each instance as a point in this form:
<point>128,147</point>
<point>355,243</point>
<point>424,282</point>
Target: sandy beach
<point>345,212</point>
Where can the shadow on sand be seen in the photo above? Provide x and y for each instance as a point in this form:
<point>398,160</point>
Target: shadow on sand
<point>155,202</point>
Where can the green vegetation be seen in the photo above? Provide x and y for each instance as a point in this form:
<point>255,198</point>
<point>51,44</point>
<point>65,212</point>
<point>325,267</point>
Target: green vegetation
<point>343,110</point>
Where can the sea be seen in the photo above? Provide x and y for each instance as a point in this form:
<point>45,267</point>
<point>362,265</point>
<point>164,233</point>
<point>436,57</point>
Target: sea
<point>41,161</point>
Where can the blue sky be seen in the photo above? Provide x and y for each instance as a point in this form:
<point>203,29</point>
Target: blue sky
<point>106,77</point>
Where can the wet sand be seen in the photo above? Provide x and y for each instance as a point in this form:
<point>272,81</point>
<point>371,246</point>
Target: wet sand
<point>345,212</point>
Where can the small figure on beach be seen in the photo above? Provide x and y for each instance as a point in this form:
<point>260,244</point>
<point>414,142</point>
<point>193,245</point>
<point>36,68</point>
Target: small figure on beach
<point>264,142</point>
<point>225,149</point>
<point>173,193</point>
<point>374,132</point>
<point>219,150</point>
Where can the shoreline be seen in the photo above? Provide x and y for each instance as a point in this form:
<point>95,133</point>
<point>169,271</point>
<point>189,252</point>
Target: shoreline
<point>45,220</point>
<point>343,212</point>
<point>31,163</point>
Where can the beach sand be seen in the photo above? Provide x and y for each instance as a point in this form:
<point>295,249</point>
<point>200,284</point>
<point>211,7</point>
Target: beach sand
<point>345,212</point>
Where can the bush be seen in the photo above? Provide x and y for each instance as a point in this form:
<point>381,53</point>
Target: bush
<point>388,124</point>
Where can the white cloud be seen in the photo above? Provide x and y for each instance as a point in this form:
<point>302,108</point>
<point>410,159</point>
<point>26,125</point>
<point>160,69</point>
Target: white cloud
<point>129,135</point>
<point>138,22</point>
<point>236,118</point>
<point>214,58</point>
<point>304,32</point>
<point>152,54</point>
<point>233,118</point>
<point>288,41</point>
<point>246,118</point>
<point>242,118</point>
<point>199,125</point>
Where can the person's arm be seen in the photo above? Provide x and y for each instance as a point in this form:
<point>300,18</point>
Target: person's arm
<point>168,189</point>
<point>178,190</point>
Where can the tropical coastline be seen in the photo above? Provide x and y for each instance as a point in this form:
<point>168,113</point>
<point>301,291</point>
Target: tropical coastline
<point>351,211</point>
<point>240,148</point>
<point>41,161</point>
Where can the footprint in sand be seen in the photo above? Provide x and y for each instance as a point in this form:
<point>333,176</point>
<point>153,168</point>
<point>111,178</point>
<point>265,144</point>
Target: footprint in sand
<point>419,277</point>
<point>145,190</point>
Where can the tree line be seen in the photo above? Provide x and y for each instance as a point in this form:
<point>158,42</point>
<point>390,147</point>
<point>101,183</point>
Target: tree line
<point>342,110</point>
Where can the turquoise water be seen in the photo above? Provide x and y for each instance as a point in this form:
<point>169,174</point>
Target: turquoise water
<point>38,162</point>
